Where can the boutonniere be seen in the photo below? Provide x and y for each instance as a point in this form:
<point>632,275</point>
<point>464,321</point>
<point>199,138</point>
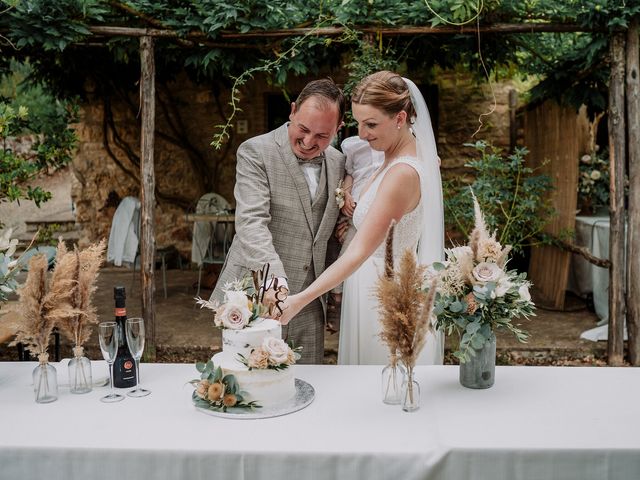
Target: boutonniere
<point>340,195</point>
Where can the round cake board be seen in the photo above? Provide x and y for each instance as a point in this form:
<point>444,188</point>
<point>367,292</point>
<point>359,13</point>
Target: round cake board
<point>305,394</point>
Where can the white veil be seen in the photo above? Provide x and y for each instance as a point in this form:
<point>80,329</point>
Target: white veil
<point>431,243</point>
<point>431,246</point>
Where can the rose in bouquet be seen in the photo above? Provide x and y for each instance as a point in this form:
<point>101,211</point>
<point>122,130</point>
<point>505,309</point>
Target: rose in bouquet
<point>476,293</point>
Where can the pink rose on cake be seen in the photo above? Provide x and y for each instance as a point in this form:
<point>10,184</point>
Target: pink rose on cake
<point>258,359</point>
<point>274,354</point>
<point>235,312</point>
<point>246,300</point>
<point>277,349</point>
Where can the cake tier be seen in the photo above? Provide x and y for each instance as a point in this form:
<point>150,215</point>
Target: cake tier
<point>244,340</point>
<point>266,387</point>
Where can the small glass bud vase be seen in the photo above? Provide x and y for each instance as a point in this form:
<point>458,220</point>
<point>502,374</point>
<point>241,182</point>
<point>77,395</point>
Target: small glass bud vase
<point>45,380</point>
<point>393,377</point>
<point>410,393</point>
<point>80,379</point>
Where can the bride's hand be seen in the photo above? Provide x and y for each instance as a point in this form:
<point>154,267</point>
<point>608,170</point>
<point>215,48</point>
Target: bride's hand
<point>290,308</point>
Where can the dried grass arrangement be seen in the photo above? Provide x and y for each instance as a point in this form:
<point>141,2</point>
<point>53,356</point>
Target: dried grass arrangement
<point>82,267</point>
<point>63,300</point>
<point>405,310</point>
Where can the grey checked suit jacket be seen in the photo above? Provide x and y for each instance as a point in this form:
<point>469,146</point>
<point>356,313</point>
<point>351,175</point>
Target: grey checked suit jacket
<point>274,220</point>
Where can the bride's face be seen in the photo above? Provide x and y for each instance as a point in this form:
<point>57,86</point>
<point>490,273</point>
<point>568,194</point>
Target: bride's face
<point>376,127</point>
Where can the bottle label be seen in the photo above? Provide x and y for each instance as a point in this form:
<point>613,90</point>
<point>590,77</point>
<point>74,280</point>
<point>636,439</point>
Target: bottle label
<point>128,365</point>
<point>121,312</point>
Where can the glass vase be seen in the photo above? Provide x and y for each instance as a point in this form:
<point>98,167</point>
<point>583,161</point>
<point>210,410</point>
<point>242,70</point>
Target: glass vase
<point>479,371</point>
<point>393,377</point>
<point>410,393</point>
<point>45,381</point>
<point>80,379</point>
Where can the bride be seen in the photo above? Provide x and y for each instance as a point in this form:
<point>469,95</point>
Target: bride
<point>393,117</point>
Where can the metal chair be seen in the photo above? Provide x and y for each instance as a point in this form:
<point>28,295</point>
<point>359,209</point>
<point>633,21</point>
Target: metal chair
<point>211,238</point>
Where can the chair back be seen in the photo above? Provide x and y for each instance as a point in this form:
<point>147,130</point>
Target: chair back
<point>209,235</point>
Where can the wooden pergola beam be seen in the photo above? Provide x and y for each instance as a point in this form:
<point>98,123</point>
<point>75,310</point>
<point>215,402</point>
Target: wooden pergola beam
<point>633,227</point>
<point>147,188</point>
<point>500,28</point>
<point>617,158</point>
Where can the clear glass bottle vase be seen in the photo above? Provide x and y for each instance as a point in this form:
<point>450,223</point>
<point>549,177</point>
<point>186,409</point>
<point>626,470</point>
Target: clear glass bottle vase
<point>410,393</point>
<point>45,380</point>
<point>393,377</point>
<point>80,380</point>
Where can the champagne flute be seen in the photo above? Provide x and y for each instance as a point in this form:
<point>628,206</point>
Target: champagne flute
<point>108,335</point>
<point>135,340</point>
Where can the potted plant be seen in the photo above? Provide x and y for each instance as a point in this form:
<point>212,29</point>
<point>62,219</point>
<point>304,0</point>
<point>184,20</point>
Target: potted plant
<point>513,198</point>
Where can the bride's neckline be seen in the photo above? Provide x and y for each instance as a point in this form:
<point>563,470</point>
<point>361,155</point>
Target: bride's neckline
<point>377,173</point>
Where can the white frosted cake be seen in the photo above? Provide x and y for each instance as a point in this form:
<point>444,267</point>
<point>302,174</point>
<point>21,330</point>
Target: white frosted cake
<point>267,387</point>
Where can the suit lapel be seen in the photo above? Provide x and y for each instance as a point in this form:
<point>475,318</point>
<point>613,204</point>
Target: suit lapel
<point>291,163</point>
<point>331,182</point>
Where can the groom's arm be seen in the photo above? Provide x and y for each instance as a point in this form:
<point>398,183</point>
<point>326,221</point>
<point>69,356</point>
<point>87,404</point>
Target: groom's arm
<point>253,202</point>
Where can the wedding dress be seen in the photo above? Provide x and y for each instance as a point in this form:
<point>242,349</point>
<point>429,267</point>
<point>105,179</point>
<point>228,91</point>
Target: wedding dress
<point>422,230</point>
<point>359,343</point>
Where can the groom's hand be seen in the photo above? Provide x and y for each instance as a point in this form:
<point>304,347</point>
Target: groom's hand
<point>341,230</point>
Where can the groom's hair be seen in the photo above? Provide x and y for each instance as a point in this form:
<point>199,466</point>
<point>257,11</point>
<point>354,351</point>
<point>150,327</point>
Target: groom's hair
<point>324,89</point>
<point>386,91</point>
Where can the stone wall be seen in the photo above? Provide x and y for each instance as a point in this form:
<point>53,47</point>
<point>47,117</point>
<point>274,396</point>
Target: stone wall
<point>187,114</point>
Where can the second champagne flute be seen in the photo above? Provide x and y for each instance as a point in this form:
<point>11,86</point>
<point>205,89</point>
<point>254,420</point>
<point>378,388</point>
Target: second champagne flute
<point>135,340</point>
<point>108,336</point>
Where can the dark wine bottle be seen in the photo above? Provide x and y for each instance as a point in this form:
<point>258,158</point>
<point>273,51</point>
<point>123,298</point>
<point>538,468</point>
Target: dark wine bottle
<point>124,367</point>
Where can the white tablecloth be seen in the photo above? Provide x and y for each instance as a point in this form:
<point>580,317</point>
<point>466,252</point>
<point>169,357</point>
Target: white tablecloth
<point>535,423</point>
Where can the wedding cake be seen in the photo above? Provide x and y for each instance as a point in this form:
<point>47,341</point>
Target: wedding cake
<point>260,360</point>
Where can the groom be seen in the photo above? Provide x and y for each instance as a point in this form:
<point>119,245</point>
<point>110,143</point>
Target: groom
<point>285,207</point>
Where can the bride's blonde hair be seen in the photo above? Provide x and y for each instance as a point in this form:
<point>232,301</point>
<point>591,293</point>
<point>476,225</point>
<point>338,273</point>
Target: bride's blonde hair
<point>386,91</point>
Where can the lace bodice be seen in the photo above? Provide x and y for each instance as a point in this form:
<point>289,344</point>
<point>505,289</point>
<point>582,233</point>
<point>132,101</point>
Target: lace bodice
<point>408,229</point>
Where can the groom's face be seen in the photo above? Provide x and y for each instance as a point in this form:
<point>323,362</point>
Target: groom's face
<point>312,128</point>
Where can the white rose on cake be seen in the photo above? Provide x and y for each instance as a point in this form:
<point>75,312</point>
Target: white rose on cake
<point>277,349</point>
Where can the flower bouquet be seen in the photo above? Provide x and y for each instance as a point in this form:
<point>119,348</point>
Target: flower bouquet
<point>476,293</point>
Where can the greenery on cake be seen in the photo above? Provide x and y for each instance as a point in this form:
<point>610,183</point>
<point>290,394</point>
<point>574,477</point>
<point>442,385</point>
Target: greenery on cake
<point>218,391</point>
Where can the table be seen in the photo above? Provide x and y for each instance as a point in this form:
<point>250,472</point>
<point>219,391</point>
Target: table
<point>535,423</point>
<point>592,232</point>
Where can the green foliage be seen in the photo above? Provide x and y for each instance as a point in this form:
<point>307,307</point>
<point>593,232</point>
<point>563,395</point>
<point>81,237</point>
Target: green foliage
<point>52,151</point>
<point>55,37</point>
<point>514,201</point>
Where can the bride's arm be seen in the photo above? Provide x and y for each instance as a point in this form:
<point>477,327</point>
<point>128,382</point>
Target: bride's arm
<point>399,193</point>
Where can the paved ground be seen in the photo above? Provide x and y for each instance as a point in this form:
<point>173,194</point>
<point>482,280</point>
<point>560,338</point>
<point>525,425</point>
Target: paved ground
<point>185,333</point>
